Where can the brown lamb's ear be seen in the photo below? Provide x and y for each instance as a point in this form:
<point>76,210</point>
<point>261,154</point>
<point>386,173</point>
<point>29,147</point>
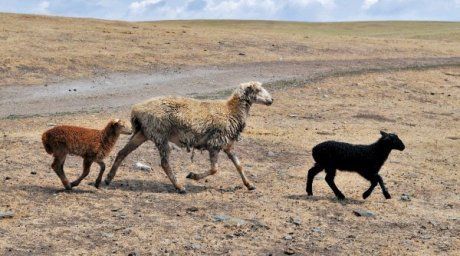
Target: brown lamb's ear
<point>115,122</point>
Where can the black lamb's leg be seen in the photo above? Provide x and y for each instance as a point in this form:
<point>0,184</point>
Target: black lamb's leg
<point>374,182</point>
<point>330,175</point>
<point>384,189</point>
<point>311,175</point>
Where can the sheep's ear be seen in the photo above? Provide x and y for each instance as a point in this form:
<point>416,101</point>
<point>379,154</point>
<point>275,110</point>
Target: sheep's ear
<point>384,134</point>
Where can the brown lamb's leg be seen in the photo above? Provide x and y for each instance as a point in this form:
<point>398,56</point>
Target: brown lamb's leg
<point>163,148</point>
<point>58,167</point>
<point>133,143</point>
<point>213,157</point>
<point>86,168</point>
<point>239,168</point>
<point>101,172</point>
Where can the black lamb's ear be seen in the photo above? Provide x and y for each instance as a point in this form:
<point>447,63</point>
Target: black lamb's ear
<point>384,134</point>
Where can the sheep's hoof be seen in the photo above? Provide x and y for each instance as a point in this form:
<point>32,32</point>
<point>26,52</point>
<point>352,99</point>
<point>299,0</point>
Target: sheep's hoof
<point>341,197</point>
<point>68,188</point>
<point>182,191</point>
<point>107,182</point>
<point>251,187</point>
<point>192,176</point>
<point>97,184</point>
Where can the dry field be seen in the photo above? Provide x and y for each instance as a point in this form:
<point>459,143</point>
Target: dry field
<point>141,214</point>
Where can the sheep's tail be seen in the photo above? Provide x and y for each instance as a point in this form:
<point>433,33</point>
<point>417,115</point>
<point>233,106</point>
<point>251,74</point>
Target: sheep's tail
<point>135,124</point>
<point>46,144</point>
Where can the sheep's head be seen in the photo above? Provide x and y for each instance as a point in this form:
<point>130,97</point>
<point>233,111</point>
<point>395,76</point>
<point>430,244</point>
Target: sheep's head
<point>392,140</point>
<point>253,92</point>
<point>120,127</point>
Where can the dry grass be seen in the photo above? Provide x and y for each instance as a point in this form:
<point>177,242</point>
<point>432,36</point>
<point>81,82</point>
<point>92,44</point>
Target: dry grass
<point>141,212</point>
<point>38,49</point>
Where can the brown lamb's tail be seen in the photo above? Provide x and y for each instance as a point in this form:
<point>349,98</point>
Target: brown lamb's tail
<point>47,146</point>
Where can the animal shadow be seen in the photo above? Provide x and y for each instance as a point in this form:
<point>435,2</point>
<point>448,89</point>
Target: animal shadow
<point>53,189</point>
<point>322,198</point>
<point>152,186</point>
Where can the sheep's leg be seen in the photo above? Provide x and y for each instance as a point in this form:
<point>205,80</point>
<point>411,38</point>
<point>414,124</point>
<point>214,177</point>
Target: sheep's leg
<point>58,167</point>
<point>86,168</point>
<point>239,168</point>
<point>311,175</point>
<point>384,189</point>
<point>133,143</point>
<point>330,175</point>
<point>163,148</point>
<point>101,172</point>
<point>213,157</point>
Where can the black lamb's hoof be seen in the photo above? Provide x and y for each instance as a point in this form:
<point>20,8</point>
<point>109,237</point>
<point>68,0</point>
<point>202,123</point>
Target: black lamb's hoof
<point>107,182</point>
<point>366,195</point>
<point>341,197</point>
<point>387,195</point>
<point>97,184</point>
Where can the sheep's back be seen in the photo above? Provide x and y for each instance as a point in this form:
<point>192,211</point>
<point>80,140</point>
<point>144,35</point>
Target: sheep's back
<point>161,115</point>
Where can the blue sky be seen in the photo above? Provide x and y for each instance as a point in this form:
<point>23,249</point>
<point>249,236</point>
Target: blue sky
<point>294,10</point>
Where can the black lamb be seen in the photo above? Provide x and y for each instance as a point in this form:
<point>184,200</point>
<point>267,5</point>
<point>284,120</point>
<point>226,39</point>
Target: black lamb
<point>363,159</point>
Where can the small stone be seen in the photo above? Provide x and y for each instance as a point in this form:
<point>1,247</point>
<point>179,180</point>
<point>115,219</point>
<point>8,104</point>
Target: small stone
<point>192,209</point>
<point>33,172</point>
<point>241,54</point>
<point>295,220</point>
<point>363,213</point>
<point>74,90</point>
<point>8,214</point>
<point>405,197</point>
<point>135,253</point>
<point>7,178</point>
<point>432,93</point>
<point>108,235</point>
<point>288,237</point>
<point>316,229</point>
<point>230,221</point>
<point>271,154</point>
<point>142,167</point>
<point>51,124</point>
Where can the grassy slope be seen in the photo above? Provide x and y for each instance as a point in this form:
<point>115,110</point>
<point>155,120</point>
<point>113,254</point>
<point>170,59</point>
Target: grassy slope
<point>37,49</point>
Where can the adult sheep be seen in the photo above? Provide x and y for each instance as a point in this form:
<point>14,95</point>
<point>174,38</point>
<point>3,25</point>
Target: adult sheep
<point>193,124</point>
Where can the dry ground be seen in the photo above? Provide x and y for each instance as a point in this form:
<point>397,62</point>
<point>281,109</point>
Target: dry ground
<point>38,49</point>
<point>141,212</point>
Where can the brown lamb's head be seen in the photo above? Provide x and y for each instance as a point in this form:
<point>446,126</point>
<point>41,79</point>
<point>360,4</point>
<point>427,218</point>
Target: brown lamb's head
<point>119,126</point>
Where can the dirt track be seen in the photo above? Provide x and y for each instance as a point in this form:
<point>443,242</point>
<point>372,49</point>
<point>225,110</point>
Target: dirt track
<point>121,90</point>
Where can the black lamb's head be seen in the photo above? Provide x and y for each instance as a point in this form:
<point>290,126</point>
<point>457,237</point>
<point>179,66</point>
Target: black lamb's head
<point>392,141</point>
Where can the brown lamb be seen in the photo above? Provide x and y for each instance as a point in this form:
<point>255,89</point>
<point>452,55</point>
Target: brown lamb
<point>91,144</point>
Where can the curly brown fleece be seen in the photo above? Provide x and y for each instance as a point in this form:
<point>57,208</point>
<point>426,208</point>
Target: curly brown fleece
<point>91,144</point>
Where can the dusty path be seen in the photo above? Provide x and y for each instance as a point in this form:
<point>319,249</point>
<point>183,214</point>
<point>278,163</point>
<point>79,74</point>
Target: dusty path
<point>118,90</point>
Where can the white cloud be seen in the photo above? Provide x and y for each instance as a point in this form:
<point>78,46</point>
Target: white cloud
<point>368,3</point>
<point>43,7</point>
<point>139,6</point>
